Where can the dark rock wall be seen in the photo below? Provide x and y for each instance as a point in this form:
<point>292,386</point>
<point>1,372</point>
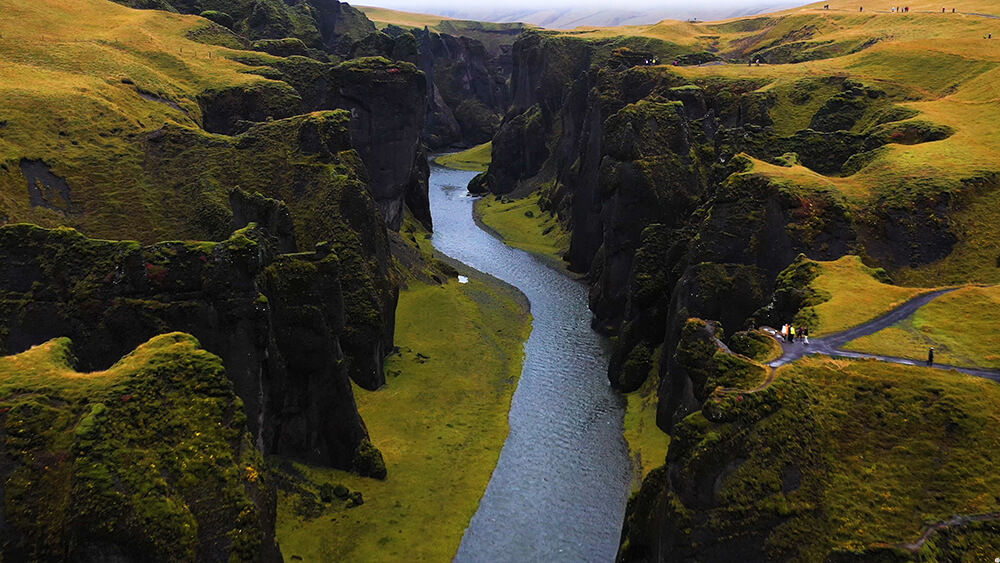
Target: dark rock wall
<point>646,170</point>
<point>308,163</point>
<point>387,104</point>
<point>276,321</point>
<point>468,91</point>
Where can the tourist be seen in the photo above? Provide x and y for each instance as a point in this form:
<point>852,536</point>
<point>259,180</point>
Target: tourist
<point>930,357</point>
<point>805,335</point>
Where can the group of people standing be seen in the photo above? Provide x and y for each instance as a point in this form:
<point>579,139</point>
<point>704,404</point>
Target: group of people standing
<point>791,332</point>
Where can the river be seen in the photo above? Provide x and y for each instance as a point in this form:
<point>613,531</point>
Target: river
<point>559,489</point>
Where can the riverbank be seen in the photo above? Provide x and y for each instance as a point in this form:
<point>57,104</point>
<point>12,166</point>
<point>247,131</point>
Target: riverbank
<point>521,223</point>
<point>440,422</point>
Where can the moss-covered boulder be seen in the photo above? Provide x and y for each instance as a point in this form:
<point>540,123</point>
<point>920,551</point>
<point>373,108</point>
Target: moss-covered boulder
<point>149,460</point>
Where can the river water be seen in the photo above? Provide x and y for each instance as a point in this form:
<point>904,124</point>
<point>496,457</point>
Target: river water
<point>559,490</point>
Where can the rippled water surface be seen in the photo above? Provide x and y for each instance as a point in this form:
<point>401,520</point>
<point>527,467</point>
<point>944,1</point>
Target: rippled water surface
<point>558,492</point>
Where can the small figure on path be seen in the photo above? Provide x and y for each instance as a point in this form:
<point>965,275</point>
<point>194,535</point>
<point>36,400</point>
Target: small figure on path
<point>930,357</point>
<point>805,335</point>
<point>791,331</point>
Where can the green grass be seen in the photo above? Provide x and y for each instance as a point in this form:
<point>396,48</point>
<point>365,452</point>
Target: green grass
<point>647,444</point>
<point>476,159</point>
<point>961,326</point>
<point>440,423</point>
<point>856,295</point>
<point>521,223</point>
<point>881,449</point>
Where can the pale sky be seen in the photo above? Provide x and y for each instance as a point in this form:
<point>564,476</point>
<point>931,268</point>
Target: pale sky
<point>638,5</point>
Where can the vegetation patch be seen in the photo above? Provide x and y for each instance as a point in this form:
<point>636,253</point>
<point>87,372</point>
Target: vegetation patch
<point>151,457</point>
<point>440,423</point>
<point>855,455</point>
<point>962,327</point>
<point>523,224</point>
<point>857,294</point>
<point>647,444</point>
<point>476,159</point>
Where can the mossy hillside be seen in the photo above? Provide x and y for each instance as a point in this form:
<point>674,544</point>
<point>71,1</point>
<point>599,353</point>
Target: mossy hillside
<point>856,294</point>
<point>440,422</point>
<point>929,66</point>
<point>522,223</point>
<point>475,159</point>
<point>960,326</point>
<point>756,345</point>
<point>150,457</point>
<point>850,455</point>
<point>273,20</point>
<point>83,81</point>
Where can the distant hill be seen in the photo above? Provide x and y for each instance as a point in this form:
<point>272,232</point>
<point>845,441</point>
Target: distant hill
<point>570,18</point>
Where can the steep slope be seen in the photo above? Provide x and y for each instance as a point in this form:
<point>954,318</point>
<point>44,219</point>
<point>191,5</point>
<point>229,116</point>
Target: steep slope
<point>104,129</point>
<point>278,322</point>
<point>862,458</point>
<point>85,86</point>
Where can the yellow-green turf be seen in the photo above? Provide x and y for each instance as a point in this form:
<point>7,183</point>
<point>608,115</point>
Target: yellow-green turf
<point>521,223</point>
<point>440,423</point>
<point>888,448</point>
<point>963,327</point>
<point>476,159</point>
<point>856,296</point>
<point>647,444</point>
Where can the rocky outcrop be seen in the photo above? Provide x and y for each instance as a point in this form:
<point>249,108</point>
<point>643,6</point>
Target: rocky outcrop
<point>668,216</point>
<point>277,322</point>
<point>386,101</point>
<point>147,461</point>
<point>308,163</point>
<point>756,468</point>
<point>468,91</point>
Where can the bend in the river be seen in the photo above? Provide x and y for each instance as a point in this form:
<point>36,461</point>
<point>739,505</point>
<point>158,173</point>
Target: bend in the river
<point>559,490</point>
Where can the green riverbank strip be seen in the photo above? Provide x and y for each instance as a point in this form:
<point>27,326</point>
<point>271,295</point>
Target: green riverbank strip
<point>440,423</point>
<point>476,159</point>
<point>521,223</point>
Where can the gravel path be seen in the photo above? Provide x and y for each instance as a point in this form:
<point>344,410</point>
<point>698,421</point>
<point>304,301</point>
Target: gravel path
<point>831,345</point>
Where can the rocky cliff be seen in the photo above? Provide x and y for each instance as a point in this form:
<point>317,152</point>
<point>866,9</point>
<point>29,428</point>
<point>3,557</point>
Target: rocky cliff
<point>825,451</point>
<point>468,92</point>
<point>277,322</point>
<point>687,195</point>
<point>148,460</point>
<point>665,185</point>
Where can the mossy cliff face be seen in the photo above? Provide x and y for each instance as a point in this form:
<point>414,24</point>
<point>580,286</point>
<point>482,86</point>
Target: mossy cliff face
<point>387,105</point>
<point>322,182</point>
<point>665,185</point>
<point>280,323</point>
<point>858,457</point>
<point>147,461</point>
